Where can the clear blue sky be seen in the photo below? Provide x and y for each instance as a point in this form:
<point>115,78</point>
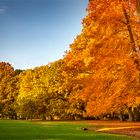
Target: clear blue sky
<point>36,32</point>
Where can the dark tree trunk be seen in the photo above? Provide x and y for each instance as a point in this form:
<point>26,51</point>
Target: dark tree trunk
<point>15,116</point>
<point>51,117</point>
<point>31,117</point>
<point>138,7</point>
<point>130,114</point>
<point>43,117</point>
<point>121,116</point>
<point>129,28</point>
<point>137,114</point>
<point>2,116</point>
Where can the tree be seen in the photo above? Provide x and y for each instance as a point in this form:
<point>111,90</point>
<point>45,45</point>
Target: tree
<point>26,98</point>
<point>46,89</point>
<point>8,89</point>
<point>108,50</point>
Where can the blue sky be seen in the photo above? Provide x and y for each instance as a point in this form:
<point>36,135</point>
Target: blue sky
<point>36,32</point>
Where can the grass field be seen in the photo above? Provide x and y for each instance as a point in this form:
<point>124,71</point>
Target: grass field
<point>38,130</point>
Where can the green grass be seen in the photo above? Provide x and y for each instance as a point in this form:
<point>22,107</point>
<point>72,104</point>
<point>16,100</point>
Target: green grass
<point>27,130</point>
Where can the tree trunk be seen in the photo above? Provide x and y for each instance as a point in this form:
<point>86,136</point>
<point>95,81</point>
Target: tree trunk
<point>130,114</point>
<point>129,28</point>
<point>2,116</point>
<point>51,117</point>
<point>121,117</point>
<point>44,117</point>
<point>31,117</point>
<point>138,7</point>
<point>112,116</point>
<point>136,113</point>
<point>15,117</point>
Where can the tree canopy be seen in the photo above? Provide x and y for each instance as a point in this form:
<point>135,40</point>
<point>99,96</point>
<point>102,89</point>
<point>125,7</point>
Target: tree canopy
<point>99,75</point>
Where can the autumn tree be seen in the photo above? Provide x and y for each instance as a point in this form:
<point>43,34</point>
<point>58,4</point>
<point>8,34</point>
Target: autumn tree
<point>25,100</point>
<point>107,56</point>
<point>8,89</point>
<point>99,75</point>
<point>43,91</point>
<point>58,89</point>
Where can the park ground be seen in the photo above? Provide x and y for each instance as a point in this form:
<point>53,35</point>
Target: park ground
<point>117,127</point>
<point>68,130</point>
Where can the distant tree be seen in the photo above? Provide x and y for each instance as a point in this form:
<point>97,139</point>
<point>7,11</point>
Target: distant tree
<point>45,88</point>
<point>8,89</point>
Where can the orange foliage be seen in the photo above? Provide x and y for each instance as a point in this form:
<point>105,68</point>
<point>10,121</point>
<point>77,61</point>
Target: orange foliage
<point>106,53</point>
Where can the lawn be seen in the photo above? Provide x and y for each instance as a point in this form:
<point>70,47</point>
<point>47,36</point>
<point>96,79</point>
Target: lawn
<point>38,130</point>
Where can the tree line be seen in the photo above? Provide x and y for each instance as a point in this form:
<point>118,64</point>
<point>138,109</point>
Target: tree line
<point>98,78</point>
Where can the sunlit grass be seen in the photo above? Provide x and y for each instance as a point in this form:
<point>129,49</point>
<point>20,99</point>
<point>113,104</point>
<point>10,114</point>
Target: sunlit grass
<point>35,130</point>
